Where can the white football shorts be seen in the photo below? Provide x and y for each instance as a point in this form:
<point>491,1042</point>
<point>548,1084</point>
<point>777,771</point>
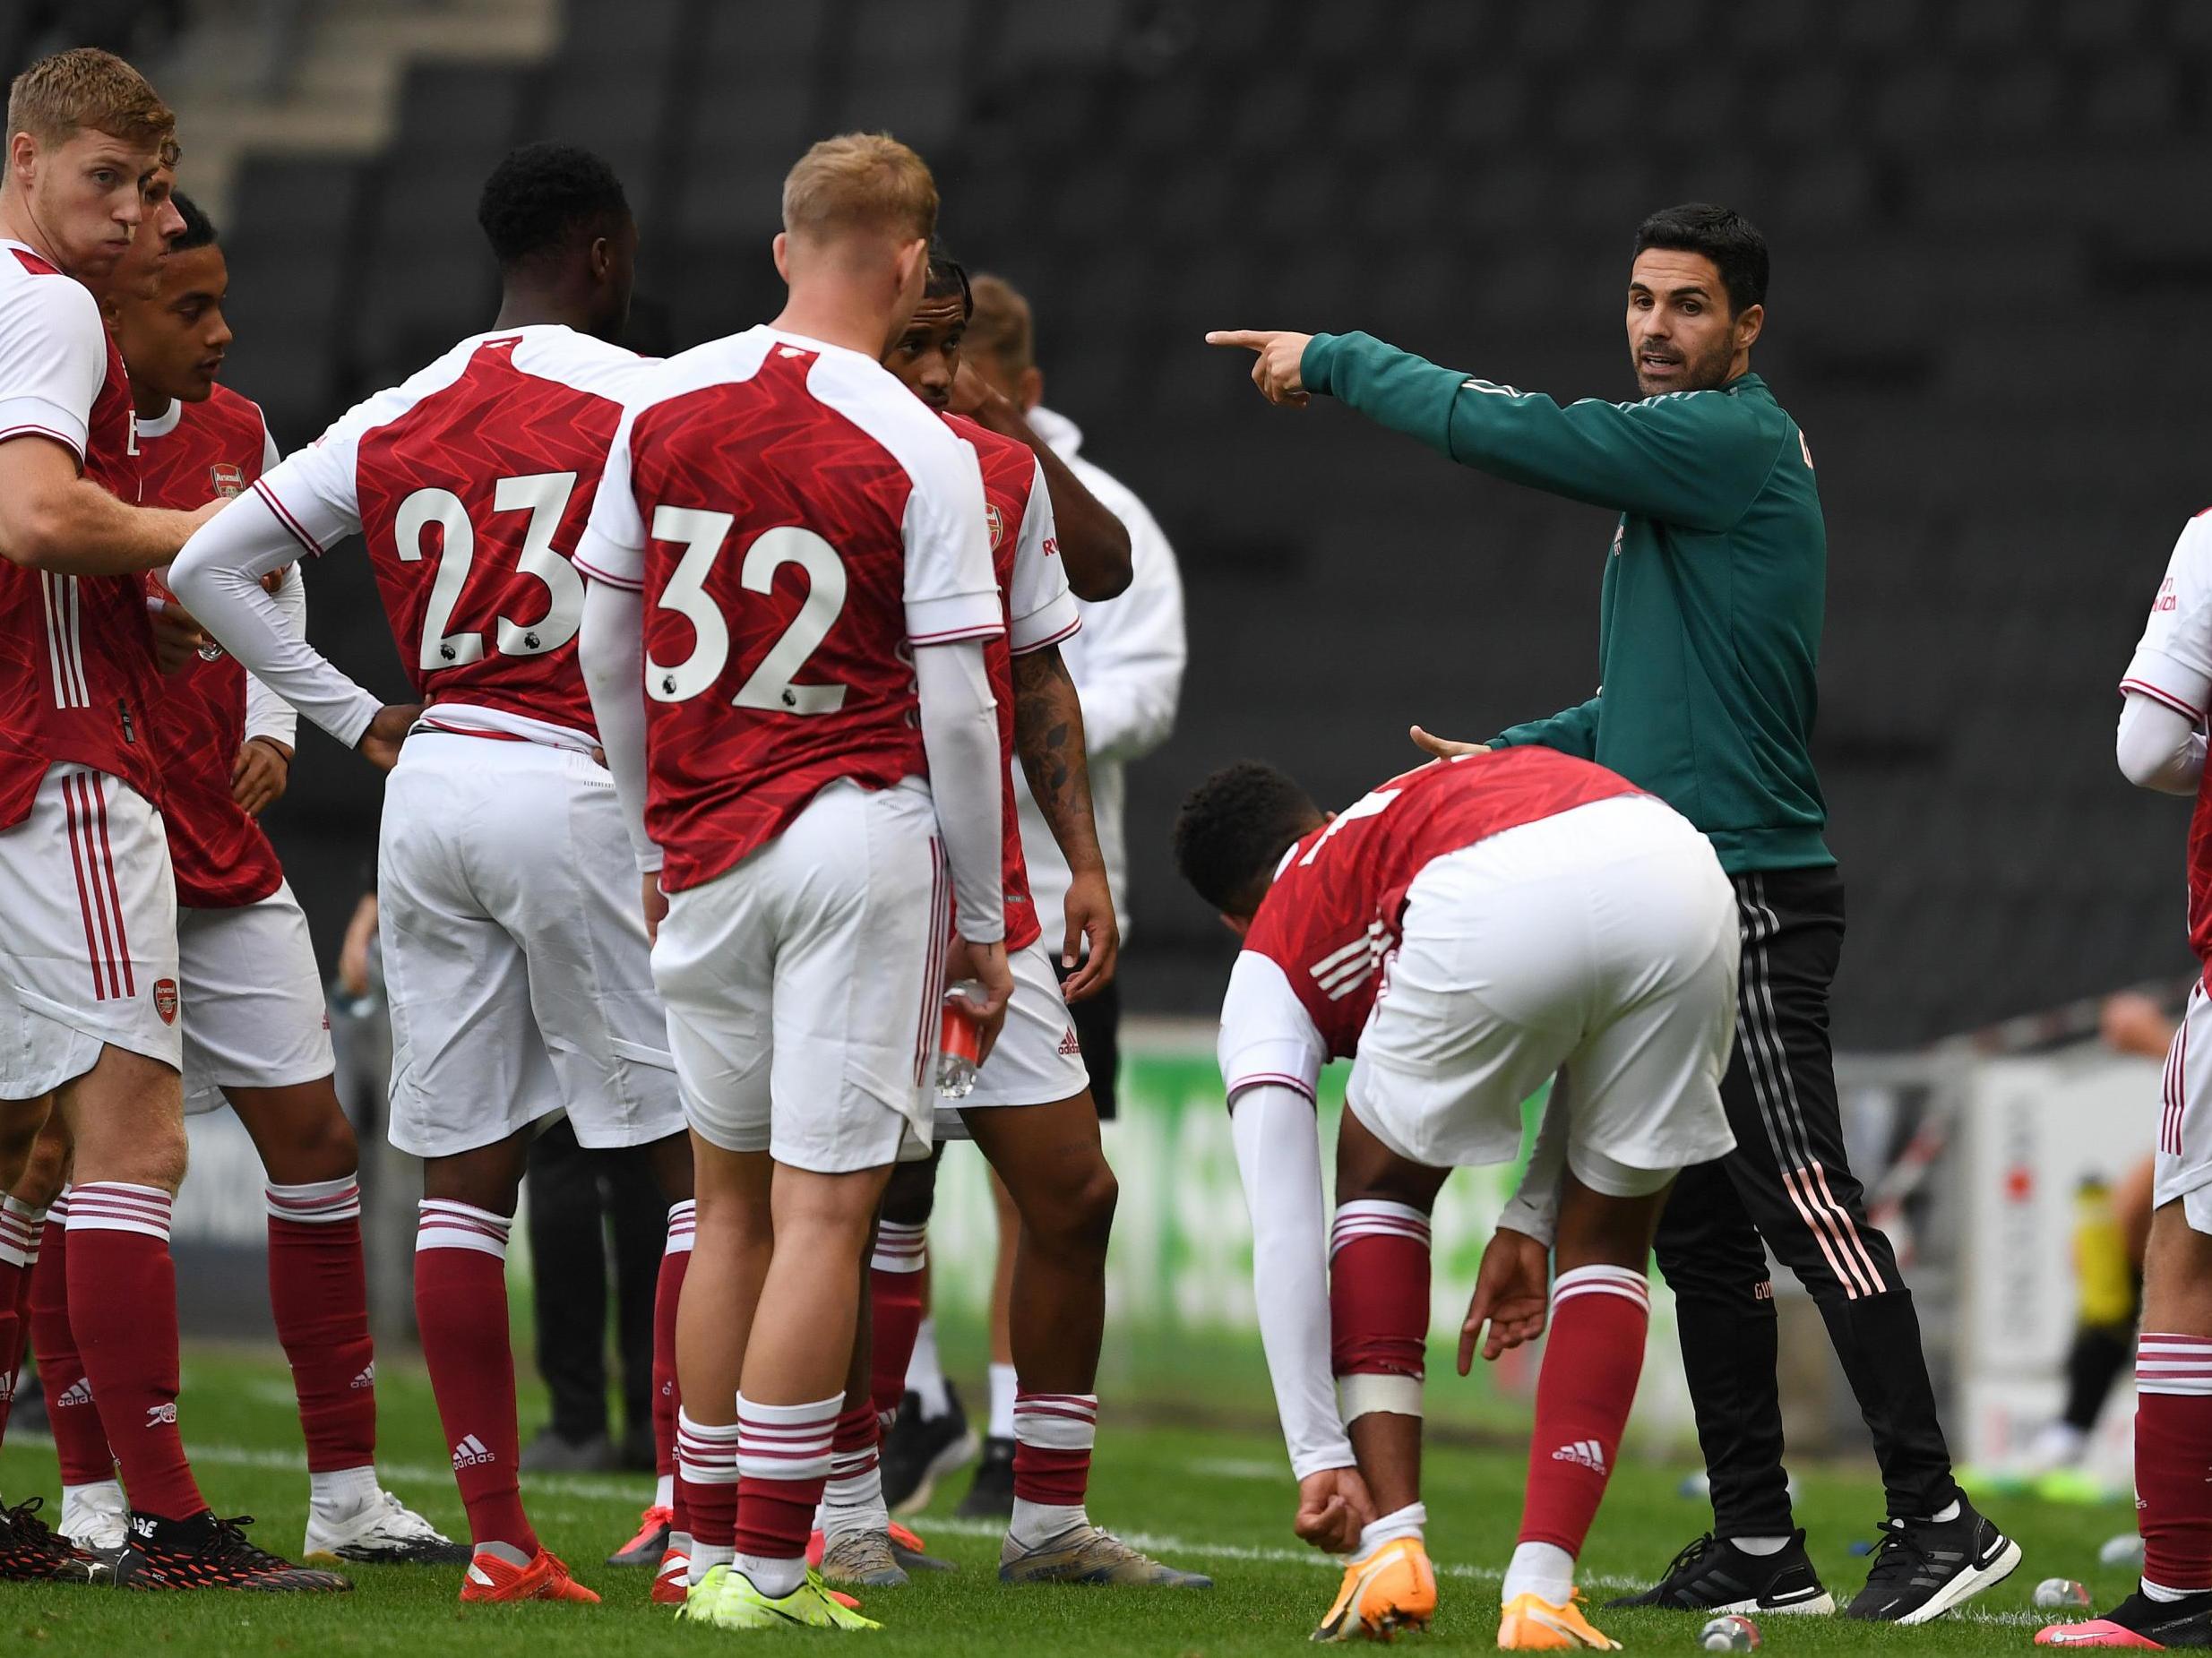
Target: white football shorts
<point>2184,1166</point>
<point>88,945</point>
<point>255,1017</point>
<point>1599,946</point>
<point>805,986</point>
<point>1037,1059</point>
<point>515,959</point>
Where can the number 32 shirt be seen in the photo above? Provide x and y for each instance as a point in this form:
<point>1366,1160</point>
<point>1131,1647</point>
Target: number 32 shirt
<point>469,484</point>
<point>797,522</point>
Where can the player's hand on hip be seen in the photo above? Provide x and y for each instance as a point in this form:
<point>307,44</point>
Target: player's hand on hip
<point>1333,1508</point>
<point>1090,923</point>
<point>655,903</point>
<point>1444,748</point>
<point>1276,370</point>
<point>985,964</point>
<point>258,778</point>
<point>1512,1295</point>
<point>380,743</point>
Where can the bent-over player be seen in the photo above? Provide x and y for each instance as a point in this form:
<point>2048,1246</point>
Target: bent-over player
<point>1469,932</point>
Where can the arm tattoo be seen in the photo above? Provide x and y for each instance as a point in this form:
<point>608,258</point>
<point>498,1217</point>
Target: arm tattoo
<point>1048,736</point>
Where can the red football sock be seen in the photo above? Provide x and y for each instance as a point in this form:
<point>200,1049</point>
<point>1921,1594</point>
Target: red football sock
<point>706,1485</point>
<point>20,1229</point>
<point>1379,1306</point>
<point>675,1260</point>
<point>2172,1449</point>
<point>1591,1359</point>
<point>783,1462</point>
<point>895,1307</point>
<point>1054,1434</point>
<point>318,1290</point>
<point>123,1307</point>
<point>460,1307</point>
<point>80,1442</point>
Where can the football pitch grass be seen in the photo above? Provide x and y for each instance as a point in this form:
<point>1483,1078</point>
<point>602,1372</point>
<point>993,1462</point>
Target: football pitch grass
<point>1211,1499</point>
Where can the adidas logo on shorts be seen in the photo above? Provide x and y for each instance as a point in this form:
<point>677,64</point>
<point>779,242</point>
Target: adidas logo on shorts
<point>1070,1049</point>
<point>366,1378</point>
<point>1586,1452</point>
<point>78,1392</point>
<point>471,1451</point>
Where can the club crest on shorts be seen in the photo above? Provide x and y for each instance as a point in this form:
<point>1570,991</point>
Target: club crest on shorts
<point>227,478</point>
<point>996,521</point>
<point>165,1000</point>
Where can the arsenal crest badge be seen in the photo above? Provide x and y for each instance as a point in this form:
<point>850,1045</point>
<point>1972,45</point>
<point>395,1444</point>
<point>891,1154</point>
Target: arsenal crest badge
<point>228,479</point>
<point>998,524</point>
<point>165,1000</point>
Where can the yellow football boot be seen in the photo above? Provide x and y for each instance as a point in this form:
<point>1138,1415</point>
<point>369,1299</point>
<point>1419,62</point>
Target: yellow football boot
<point>1532,1624</point>
<point>1393,1589</point>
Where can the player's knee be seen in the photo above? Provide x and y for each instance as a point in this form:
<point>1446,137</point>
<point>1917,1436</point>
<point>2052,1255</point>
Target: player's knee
<point>1079,1216</point>
<point>46,1169</point>
<point>911,1194</point>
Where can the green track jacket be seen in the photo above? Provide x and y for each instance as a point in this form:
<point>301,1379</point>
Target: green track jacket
<point>1709,625</point>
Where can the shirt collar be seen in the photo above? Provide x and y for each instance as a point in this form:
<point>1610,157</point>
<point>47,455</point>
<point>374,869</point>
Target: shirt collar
<point>164,422</point>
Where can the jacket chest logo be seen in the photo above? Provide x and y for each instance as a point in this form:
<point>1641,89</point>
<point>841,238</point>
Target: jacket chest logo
<point>226,479</point>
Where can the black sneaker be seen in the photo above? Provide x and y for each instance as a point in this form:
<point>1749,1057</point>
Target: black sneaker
<point>2185,1622</point>
<point>992,1496</point>
<point>31,1551</point>
<point>204,1553</point>
<point>1712,1575</point>
<point>919,1451</point>
<point>1925,1568</point>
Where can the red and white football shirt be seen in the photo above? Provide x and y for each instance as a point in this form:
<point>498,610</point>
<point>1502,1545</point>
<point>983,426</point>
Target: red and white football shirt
<point>797,521</point>
<point>76,657</point>
<point>470,483</point>
<point>1040,611</point>
<point>196,454</point>
<point>2173,665</point>
<point>1314,954</point>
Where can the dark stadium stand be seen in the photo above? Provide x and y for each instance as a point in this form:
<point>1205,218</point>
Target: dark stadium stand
<point>1986,313</point>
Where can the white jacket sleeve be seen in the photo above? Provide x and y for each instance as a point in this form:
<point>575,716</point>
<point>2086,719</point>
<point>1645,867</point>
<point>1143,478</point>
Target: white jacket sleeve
<point>268,714</point>
<point>1534,1208</point>
<point>610,646</point>
<point>959,734</point>
<point>1278,1159</point>
<point>1134,651</point>
<point>218,576</point>
<point>2159,747</point>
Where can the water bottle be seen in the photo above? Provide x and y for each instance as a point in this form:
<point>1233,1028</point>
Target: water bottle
<point>958,1041</point>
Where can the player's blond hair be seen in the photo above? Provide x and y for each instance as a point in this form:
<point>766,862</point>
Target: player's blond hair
<point>860,181</point>
<point>1002,328</point>
<point>84,88</point>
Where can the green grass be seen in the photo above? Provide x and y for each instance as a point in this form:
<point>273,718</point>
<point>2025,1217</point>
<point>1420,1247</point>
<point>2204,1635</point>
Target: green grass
<point>1211,1498</point>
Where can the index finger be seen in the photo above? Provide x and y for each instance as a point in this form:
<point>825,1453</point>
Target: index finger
<point>1251,339</point>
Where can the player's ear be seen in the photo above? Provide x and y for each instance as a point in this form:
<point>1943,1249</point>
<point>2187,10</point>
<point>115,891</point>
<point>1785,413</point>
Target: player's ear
<point>1749,325</point>
<point>601,258</point>
<point>1029,390</point>
<point>783,262</point>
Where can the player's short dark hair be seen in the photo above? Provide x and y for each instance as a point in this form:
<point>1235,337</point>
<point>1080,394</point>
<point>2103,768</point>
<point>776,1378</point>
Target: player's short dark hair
<point>1234,827</point>
<point>1724,236</point>
<point>543,199</point>
<point>948,278</point>
<point>199,230</point>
